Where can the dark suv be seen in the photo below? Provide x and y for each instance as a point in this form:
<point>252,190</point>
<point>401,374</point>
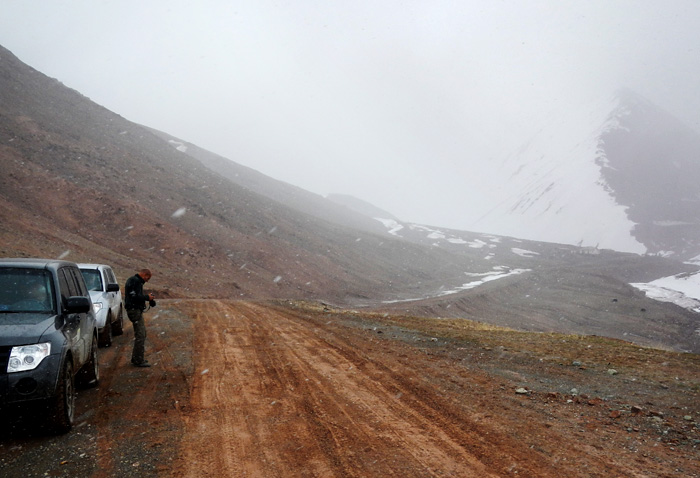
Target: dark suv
<point>48,336</point>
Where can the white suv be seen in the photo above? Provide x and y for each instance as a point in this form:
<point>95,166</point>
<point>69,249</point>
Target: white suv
<point>106,300</point>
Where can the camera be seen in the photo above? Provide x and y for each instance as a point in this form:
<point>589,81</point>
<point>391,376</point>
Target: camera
<point>152,303</point>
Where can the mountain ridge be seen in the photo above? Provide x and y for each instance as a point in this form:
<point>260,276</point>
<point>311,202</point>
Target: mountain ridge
<point>279,191</point>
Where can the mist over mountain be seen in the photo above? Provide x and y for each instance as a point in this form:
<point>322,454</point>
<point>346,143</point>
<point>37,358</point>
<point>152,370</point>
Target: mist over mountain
<point>358,205</point>
<point>627,180</point>
<point>282,192</point>
<point>82,183</point>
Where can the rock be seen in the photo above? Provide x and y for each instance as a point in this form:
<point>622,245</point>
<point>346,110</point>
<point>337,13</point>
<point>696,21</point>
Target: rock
<point>521,391</point>
<point>612,371</point>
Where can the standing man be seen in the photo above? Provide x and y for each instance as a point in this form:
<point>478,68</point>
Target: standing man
<point>135,303</point>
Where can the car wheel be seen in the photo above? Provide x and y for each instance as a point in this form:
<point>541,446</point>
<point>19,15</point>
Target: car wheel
<point>106,335</point>
<point>118,325</point>
<point>63,409</point>
<point>89,375</point>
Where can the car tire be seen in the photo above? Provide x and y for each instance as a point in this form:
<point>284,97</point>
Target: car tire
<point>106,335</point>
<point>63,406</point>
<point>89,374</point>
<point>118,325</point>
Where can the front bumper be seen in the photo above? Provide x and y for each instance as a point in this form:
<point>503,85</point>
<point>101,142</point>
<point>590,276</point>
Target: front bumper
<point>30,385</point>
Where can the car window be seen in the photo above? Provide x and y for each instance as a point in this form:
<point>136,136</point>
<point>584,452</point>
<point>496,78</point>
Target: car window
<point>65,285</point>
<point>72,286</point>
<point>26,290</point>
<point>79,282</point>
<point>111,279</point>
<point>92,277</point>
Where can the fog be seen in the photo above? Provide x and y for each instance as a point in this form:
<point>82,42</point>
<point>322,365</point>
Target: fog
<point>405,104</point>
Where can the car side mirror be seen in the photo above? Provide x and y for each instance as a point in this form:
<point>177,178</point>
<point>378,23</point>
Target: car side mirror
<point>112,287</point>
<point>78,305</point>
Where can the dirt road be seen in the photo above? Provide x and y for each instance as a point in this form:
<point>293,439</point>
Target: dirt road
<point>244,389</point>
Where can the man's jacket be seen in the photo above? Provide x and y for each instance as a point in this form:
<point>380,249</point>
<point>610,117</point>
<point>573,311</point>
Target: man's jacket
<point>134,298</point>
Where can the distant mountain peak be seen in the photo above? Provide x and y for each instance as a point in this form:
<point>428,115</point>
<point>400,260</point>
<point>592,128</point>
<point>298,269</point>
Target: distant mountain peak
<point>622,174</point>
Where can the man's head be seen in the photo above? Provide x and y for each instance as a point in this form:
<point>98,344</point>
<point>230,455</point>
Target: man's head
<point>145,274</point>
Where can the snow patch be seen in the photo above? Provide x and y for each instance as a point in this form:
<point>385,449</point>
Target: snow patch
<point>476,244</point>
<point>498,272</point>
<point>681,289</point>
<point>178,145</point>
<point>524,252</point>
<point>393,226</point>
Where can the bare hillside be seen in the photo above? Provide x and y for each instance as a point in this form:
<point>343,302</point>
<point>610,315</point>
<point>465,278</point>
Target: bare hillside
<point>82,181</point>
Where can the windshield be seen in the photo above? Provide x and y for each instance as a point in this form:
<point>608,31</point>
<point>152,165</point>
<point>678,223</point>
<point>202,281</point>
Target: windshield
<point>93,279</point>
<point>26,290</point>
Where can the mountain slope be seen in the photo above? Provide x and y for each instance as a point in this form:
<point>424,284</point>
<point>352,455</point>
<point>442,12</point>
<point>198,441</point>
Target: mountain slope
<point>619,175</point>
<point>83,180</point>
<point>652,166</point>
<point>284,193</point>
<point>358,205</point>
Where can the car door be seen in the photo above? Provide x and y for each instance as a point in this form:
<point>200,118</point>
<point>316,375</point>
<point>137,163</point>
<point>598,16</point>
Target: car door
<point>86,325</point>
<point>71,322</point>
<point>113,297</point>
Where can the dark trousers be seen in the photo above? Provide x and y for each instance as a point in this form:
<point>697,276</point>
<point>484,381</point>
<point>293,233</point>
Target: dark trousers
<point>136,318</point>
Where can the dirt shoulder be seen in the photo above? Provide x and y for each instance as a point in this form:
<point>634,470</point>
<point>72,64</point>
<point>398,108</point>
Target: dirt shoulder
<point>260,390</point>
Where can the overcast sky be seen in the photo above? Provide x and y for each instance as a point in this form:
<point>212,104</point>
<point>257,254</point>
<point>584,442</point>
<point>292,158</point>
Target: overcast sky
<point>405,104</point>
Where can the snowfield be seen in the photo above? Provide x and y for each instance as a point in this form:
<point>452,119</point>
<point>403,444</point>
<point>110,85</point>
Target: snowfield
<point>681,289</point>
<point>554,190</point>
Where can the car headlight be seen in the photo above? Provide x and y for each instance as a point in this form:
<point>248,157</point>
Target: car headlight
<point>27,357</point>
<point>96,307</point>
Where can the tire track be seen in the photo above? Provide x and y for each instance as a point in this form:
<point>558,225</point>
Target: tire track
<point>301,405</point>
<point>369,410</point>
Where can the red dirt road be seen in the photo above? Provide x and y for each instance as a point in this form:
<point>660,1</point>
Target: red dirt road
<point>244,389</point>
<point>284,396</point>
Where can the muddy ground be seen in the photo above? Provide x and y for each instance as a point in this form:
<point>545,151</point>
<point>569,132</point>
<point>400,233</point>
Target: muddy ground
<point>247,389</point>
